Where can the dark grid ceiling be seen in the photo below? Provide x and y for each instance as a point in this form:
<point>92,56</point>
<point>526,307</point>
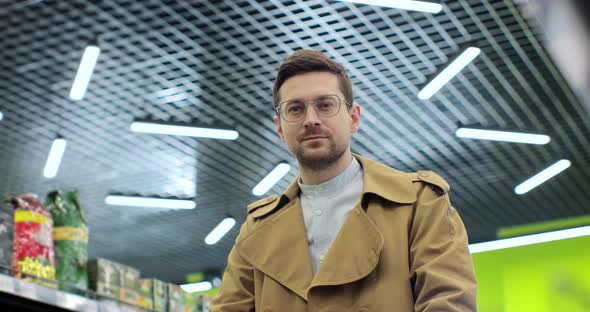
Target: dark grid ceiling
<point>216,60</point>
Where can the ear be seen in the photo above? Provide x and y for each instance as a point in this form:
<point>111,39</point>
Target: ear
<point>355,116</point>
<point>277,121</point>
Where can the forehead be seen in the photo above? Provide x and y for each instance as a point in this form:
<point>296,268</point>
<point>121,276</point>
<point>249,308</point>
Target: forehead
<point>310,85</point>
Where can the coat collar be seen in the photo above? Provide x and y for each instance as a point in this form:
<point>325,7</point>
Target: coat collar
<point>278,246</point>
<point>386,182</point>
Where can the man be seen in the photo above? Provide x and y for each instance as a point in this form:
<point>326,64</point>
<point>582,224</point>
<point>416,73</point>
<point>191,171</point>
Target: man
<point>349,234</point>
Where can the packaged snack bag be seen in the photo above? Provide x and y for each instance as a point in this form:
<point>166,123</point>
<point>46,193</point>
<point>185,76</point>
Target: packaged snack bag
<point>33,253</point>
<point>70,238</point>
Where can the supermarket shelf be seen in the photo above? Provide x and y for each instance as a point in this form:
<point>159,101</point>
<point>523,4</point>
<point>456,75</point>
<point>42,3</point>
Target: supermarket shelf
<point>19,295</point>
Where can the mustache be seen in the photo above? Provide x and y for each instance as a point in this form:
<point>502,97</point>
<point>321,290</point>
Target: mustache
<point>312,131</point>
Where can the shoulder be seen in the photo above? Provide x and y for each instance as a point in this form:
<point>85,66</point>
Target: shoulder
<point>432,180</point>
<point>399,186</point>
<point>259,211</point>
<point>263,207</point>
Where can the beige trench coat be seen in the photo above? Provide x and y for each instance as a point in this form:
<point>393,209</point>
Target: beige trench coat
<point>402,248</point>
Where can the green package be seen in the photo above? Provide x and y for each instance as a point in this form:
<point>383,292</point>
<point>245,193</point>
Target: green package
<point>70,237</point>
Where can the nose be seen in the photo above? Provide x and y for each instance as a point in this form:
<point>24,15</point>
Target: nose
<point>311,117</point>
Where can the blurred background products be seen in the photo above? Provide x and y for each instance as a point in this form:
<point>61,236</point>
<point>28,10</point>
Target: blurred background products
<point>48,245</point>
<point>6,236</point>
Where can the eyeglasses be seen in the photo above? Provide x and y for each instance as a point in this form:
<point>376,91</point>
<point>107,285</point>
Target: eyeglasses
<point>325,106</point>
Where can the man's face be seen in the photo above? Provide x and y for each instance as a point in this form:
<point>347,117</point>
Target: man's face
<point>317,141</point>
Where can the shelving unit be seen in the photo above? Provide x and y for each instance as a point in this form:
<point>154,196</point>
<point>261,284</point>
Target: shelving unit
<point>20,295</point>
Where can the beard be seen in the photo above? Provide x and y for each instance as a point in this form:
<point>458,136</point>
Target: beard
<point>317,161</point>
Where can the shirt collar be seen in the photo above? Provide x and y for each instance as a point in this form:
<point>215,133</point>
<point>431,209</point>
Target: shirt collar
<point>335,184</point>
<point>378,179</point>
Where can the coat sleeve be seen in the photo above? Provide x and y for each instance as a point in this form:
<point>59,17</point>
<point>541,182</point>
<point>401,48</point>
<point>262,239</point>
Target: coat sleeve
<point>441,267</point>
<point>237,287</point>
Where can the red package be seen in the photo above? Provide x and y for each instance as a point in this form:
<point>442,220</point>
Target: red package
<point>33,252</point>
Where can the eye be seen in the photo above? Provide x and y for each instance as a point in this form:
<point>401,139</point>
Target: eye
<point>295,107</point>
<point>327,104</point>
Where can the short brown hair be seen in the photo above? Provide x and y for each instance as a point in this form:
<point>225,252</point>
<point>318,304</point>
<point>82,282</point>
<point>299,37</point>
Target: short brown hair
<point>305,61</point>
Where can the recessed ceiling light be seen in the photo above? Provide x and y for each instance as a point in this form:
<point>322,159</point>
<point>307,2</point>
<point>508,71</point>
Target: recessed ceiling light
<point>422,6</point>
<point>271,179</point>
<point>448,73</point>
<point>183,130</point>
<point>542,176</point>
<point>220,230</point>
<point>504,136</point>
<point>58,147</point>
<point>84,73</point>
<point>529,239</point>
<point>153,202</point>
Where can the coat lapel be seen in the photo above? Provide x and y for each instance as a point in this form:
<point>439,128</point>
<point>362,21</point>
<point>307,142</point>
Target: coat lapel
<point>354,253</point>
<point>279,248</point>
<point>357,248</point>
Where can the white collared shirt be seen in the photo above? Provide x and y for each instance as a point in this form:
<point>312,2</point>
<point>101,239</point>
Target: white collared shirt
<point>326,206</point>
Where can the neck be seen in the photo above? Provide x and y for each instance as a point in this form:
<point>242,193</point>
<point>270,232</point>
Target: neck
<point>315,176</point>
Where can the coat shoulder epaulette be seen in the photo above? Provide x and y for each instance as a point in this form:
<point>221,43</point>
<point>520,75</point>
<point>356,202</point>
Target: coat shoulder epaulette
<point>263,206</point>
<point>437,182</point>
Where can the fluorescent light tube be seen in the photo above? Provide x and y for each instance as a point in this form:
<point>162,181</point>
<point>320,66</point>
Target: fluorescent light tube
<point>271,179</point>
<point>422,6</point>
<point>196,287</point>
<point>58,147</point>
<point>158,128</point>
<point>448,73</point>
<point>529,239</point>
<point>220,231</point>
<point>542,176</point>
<point>1,115</point>
<point>504,136</point>
<point>154,202</point>
<point>84,72</point>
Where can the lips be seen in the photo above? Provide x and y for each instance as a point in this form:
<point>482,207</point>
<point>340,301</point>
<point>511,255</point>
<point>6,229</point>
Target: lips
<point>312,137</point>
